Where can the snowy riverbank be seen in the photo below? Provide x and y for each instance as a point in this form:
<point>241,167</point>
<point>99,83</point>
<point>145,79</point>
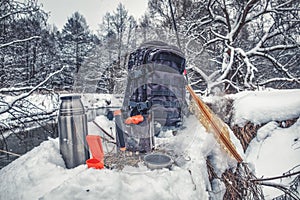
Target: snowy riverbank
<point>41,173</point>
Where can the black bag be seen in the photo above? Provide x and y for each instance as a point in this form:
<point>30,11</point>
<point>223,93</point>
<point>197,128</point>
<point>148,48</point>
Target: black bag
<point>156,84</point>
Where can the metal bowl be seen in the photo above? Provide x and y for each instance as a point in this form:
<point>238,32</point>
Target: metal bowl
<point>158,161</point>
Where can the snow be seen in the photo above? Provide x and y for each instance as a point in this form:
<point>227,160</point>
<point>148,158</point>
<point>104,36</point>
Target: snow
<point>274,152</point>
<point>261,107</point>
<point>41,173</point>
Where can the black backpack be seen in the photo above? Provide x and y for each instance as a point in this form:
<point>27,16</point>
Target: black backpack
<point>156,84</point>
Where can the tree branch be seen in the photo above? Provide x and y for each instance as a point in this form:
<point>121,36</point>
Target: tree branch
<point>282,188</point>
<point>279,65</point>
<point>25,95</point>
<point>215,17</point>
<point>242,21</point>
<point>275,177</point>
<point>18,41</point>
<point>279,79</point>
<point>278,47</point>
<point>226,16</point>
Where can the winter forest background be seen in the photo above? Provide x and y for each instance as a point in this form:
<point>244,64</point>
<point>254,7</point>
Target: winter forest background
<point>230,46</point>
<point>234,45</point>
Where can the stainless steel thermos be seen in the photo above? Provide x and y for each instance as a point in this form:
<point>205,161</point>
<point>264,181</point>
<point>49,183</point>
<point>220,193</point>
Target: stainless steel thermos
<point>72,130</point>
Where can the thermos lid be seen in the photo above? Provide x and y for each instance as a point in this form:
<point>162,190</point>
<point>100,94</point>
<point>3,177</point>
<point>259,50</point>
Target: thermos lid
<point>71,105</point>
<point>70,96</point>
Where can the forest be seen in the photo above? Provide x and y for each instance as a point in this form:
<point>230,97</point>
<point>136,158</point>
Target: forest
<point>233,45</point>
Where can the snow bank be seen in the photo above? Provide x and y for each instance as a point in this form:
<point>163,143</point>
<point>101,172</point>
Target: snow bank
<point>41,173</point>
<point>261,107</point>
<point>274,152</point>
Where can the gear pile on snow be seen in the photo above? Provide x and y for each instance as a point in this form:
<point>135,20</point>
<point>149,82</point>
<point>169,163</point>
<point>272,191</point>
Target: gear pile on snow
<point>155,94</point>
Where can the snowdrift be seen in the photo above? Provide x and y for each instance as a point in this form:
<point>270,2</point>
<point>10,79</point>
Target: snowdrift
<point>41,173</point>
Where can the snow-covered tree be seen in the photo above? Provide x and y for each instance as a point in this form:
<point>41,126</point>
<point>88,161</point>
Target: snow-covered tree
<point>118,38</point>
<point>26,50</point>
<point>249,43</point>
<point>238,44</point>
<point>20,34</point>
<point>119,23</point>
<point>76,42</point>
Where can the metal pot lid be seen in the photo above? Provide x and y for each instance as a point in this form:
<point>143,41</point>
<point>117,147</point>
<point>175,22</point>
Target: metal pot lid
<point>157,161</point>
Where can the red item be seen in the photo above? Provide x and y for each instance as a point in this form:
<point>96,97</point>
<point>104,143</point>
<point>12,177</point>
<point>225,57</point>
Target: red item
<point>94,163</point>
<point>117,112</point>
<point>134,119</point>
<point>95,144</point>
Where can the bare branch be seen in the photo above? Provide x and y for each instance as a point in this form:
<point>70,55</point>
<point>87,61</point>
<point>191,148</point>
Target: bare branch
<point>227,66</point>
<point>279,47</point>
<point>279,79</point>
<point>282,188</point>
<point>276,177</point>
<point>242,19</point>
<point>212,41</point>
<point>18,41</point>
<point>216,18</point>
<point>25,95</point>
<point>278,65</point>
<point>260,13</point>
<point>226,16</point>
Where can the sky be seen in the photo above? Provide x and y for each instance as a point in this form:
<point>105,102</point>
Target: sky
<point>92,10</point>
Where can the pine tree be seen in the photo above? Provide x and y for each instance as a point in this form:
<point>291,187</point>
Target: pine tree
<point>118,37</point>
<point>76,41</point>
<point>20,39</point>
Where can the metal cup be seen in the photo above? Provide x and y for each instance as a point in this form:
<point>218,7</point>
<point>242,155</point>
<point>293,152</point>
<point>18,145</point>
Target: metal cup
<point>72,129</point>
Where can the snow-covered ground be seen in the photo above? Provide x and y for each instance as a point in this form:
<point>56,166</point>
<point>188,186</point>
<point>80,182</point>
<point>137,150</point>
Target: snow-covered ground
<point>41,173</point>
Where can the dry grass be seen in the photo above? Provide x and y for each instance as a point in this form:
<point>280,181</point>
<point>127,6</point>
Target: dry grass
<point>237,183</point>
<point>246,133</point>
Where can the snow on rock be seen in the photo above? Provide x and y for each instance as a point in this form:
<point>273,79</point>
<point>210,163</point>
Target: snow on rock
<point>266,131</point>
<point>261,107</point>
<point>274,152</point>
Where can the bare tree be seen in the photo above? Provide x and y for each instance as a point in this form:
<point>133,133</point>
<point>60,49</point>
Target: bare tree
<point>239,44</point>
<point>247,43</point>
<point>118,35</point>
<point>13,16</point>
<point>24,43</point>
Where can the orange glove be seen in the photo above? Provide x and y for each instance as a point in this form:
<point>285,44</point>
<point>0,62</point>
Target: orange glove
<point>134,119</point>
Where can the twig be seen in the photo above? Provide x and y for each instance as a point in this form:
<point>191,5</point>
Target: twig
<point>276,177</point>
<point>105,132</point>
<point>282,188</point>
<point>14,154</point>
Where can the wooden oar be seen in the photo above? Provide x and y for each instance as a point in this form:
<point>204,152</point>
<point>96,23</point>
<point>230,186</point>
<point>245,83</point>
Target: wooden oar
<point>214,124</point>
